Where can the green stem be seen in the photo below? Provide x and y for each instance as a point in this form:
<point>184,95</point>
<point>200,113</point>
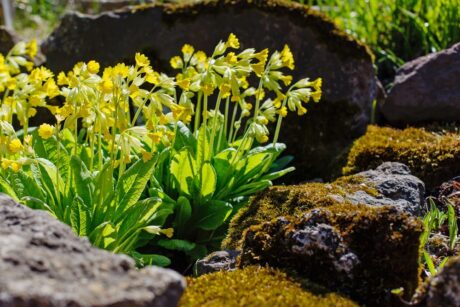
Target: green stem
<point>214,122</point>
<point>198,112</point>
<point>278,123</point>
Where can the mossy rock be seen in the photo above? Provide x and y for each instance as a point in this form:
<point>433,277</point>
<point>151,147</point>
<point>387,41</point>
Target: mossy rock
<point>255,286</point>
<point>434,157</point>
<point>359,250</point>
<point>319,47</point>
<point>289,201</point>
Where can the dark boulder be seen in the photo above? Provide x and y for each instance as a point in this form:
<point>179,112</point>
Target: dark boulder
<point>7,40</point>
<point>319,47</point>
<point>426,89</point>
<point>42,263</point>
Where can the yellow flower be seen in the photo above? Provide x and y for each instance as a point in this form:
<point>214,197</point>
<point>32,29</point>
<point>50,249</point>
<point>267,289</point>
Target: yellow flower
<point>200,57</point>
<point>168,232</point>
<point>141,60</point>
<point>6,163</point>
<point>244,82</point>
<point>93,67</point>
<point>15,166</point>
<point>146,156</point>
<point>45,131</point>
<point>316,84</point>
<point>188,50</point>
<point>184,84</point>
<point>262,56</point>
<point>282,112</point>
<point>286,80</point>
<point>176,62</point>
<point>153,77</point>
<point>31,112</point>
<point>233,41</point>
<point>225,90</point>
<point>232,58</point>
<point>52,90</point>
<point>32,48</point>
<point>15,146</point>
<point>156,136</point>
<point>316,96</point>
<point>287,58</point>
<point>121,70</point>
<point>258,68</point>
<point>301,110</point>
<point>62,79</point>
<point>260,94</point>
<point>107,86</point>
<point>11,84</point>
<point>207,89</point>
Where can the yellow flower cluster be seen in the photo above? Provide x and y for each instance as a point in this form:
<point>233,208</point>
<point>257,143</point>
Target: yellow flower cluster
<point>131,110</point>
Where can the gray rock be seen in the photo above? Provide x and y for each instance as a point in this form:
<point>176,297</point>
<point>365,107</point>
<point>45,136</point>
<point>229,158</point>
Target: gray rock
<point>217,261</point>
<point>319,47</point>
<point>444,288</point>
<point>7,40</point>
<point>42,263</point>
<point>426,89</point>
<point>396,186</point>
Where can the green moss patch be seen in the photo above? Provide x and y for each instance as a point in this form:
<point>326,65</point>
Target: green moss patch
<point>254,286</point>
<point>291,200</point>
<point>434,157</point>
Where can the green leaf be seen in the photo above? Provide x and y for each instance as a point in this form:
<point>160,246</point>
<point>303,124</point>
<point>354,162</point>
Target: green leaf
<point>453,228</point>
<point>208,181</point>
<point>6,188</point>
<point>82,180</point>
<point>131,185</point>
<point>176,244</point>
<point>279,174</point>
<point>212,214</point>
<point>24,185</point>
<point>150,259</point>
<point>80,216</point>
<point>429,263</point>
<point>184,212</point>
<point>182,167</point>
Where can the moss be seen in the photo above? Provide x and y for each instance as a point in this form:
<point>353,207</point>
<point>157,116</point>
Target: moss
<point>254,286</point>
<point>291,200</point>
<point>434,157</point>
<point>384,241</point>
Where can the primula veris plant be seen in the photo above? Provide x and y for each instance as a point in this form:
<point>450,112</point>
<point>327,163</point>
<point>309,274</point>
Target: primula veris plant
<point>135,157</point>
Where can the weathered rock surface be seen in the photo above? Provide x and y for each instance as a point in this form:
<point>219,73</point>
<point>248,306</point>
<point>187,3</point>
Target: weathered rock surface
<point>426,89</point>
<point>396,187</point>
<point>7,40</point>
<point>444,288</point>
<point>42,263</point>
<point>320,50</point>
<point>361,251</point>
<point>217,261</point>
<point>389,184</point>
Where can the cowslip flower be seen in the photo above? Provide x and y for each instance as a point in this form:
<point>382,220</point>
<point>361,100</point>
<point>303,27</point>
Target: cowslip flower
<point>287,58</point>
<point>93,67</point>
<point>233,41</point>
<point>141,60</point>
<point>15,146</point>
<point>45,131</point>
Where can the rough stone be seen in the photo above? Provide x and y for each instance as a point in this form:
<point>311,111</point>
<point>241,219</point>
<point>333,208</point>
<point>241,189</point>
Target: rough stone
<point>361,251</point>
<point>444,288</point>
<point>319,47</point>
<point>426,89</point>
<point>396,186</point>
<point>42,263</point>
<point>7,40</point>
<point>216,261</point>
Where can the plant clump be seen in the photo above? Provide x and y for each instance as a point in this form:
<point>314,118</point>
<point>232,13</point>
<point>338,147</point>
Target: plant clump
<point>434,157</point>
<point>362,251</point>
<point>254,286</point>
<point>135,157</point>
